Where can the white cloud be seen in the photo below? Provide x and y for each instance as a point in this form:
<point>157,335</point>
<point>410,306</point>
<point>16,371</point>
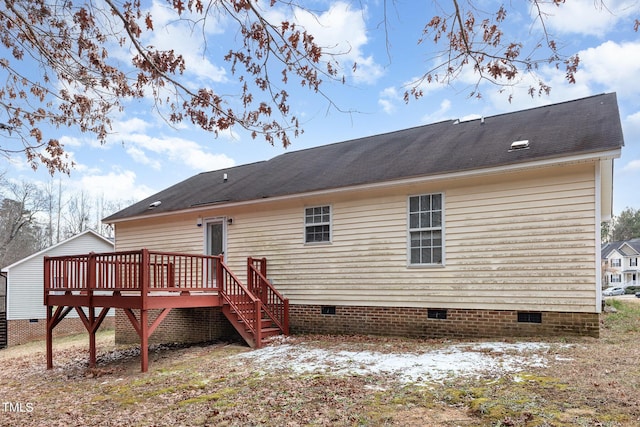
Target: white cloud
<point>139,156</point>
<point>388,99</point>
<point>341,31</point>
<point>114,186</point>
<point>614,66</point>
<point>587,17</point>
<point>632,166</point>
<point>188,37</point>
<point>440,114</point>
<point>177,150</point>
<point>608,67</point>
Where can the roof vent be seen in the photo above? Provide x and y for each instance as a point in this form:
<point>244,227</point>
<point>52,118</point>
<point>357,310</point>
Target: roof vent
<point>519,145</point>
<point>155,204</point>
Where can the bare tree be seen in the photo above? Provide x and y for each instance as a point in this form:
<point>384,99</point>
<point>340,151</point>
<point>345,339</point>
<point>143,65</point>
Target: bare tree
<point>78,83</point>
<point>20,231</point>
<point>78,214</point>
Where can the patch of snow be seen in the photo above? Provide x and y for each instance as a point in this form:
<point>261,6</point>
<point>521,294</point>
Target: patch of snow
<point>482,359</point>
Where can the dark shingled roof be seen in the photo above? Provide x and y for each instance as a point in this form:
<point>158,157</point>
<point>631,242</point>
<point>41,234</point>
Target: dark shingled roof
<point>607,248</point>
<point>582,126</point>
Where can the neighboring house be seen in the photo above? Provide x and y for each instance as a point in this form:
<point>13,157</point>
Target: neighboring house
<point>620,263</point>
<point>449,229</point>
<point>3,310</point>
<point>26,313</point>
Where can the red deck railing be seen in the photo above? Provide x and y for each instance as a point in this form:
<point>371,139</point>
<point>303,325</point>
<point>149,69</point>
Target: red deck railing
<point>142,271</point>
<point>276,306</point>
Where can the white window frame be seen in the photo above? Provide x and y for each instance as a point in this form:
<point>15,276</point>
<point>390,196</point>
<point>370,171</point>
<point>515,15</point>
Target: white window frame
<point>633,262</point>
<point>441,228</point>
<point>322,223</point>
<point>616,278</point>
<point>616,262</point>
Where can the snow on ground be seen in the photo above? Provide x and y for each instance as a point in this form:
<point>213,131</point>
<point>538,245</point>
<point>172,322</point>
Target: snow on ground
<point>492,359</point>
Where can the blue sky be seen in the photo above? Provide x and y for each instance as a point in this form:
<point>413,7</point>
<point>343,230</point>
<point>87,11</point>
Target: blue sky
<point>145,155</point>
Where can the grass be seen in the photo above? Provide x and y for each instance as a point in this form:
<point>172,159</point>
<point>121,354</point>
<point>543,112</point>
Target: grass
<point>625,319</point>
<point>587,382</point>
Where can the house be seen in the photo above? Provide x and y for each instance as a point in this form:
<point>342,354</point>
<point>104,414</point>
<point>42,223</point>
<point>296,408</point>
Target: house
<point>25,313</point>
<point>3,310</point>
<point>457,228</point>
<point>620,263</point>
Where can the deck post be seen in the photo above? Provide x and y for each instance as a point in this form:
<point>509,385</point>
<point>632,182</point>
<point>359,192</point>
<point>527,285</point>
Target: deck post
<point>219,275</point>
<point>49,336</point>
<point>257,312</point>
<point>92,337</point>
<point>263,267</point>
<point>144,340</point>
<point>91,285</point>
<point>144,315</point>
<point>47,285</point>
<point>286,317</point>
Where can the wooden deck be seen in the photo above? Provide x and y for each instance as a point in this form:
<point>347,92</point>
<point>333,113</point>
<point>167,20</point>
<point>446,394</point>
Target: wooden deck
<point>92,284</point>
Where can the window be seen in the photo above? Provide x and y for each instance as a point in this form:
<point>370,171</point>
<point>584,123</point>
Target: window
<point>616,262</point>
<point>425,230</point>
<point>317,224</point>
<point>616,278</point>
<point>633,262</point>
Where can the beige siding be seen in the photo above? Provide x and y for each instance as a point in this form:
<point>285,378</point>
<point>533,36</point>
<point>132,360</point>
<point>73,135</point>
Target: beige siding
<point>513,241</point>
<point>169,233</point>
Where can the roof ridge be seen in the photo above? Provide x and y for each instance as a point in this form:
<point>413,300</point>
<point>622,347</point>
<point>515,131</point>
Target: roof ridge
<point>551,104</point>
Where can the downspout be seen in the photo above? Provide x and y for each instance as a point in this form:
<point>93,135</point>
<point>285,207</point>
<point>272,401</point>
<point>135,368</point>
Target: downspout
<point>598,246</point>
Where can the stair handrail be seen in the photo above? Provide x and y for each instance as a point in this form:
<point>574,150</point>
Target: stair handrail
<point>225,275</point>
<point>275,305</point>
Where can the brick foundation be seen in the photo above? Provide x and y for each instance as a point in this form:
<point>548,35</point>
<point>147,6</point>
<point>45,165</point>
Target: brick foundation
<point>23,331</point>
<point>459,323</point>
<point>193,325</point>
<point>184,325</point>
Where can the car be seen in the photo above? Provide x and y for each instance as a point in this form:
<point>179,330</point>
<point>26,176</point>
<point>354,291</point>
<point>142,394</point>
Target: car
<point>613,290</point>
<point>637,294</point>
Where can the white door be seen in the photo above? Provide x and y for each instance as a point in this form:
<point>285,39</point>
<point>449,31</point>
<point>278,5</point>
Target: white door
<point>214,238</point>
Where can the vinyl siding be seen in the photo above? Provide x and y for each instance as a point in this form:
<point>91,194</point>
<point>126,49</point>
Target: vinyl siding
<point>517,241</point>
<point>170,233</point>
<point>25,290</point>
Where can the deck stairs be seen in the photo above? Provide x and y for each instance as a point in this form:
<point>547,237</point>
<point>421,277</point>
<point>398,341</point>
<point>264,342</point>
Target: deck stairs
<point>257,311</point>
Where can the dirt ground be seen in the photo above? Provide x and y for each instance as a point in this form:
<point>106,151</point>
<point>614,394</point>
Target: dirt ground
<point>334,381</point>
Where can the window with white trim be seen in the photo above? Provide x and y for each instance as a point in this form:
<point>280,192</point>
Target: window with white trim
<point>616,262</point>
<point>425,230</point>
<point>633,262</point>
<point>317,224</point>
<point>616,278</point>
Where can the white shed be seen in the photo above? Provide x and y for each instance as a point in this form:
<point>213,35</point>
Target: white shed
<point>25,313</point>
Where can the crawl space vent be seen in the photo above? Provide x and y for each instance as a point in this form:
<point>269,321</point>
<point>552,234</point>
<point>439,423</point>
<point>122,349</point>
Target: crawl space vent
<point>529,317</point>
<point>519,145</point>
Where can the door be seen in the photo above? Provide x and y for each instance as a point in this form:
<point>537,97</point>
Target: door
<point>214,245</point>
<point>215,238</point>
